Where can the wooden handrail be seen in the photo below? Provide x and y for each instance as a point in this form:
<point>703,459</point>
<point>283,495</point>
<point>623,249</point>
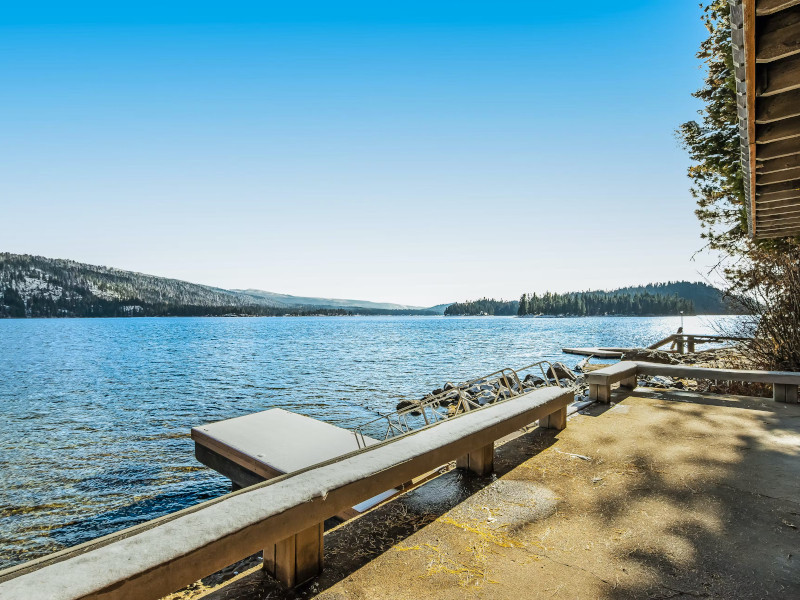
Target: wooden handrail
<point>156,558</point>
<point>697,338</point>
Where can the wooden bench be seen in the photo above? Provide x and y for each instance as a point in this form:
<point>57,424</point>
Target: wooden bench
<point>784,383</point>
<point>600,381</point>
<point>151,560</point>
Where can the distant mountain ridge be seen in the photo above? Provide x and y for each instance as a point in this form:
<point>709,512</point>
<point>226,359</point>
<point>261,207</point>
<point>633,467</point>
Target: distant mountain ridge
<point>35,286</point>
<point>287,300</point>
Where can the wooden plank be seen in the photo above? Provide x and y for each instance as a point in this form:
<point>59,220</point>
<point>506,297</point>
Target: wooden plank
<point>285,567</point>
<point>778,36</point>
<point>765,191</point>
<point>749,30</point>
<point>790,211</point>
<point>775,236</point>
<point>779,200</point>
<point>308,554</point>
<point>772,202</point>
<point>785,217</point>
<point>781,230</point>
<point>781,149</point>
<point>769,7</point>
<point>780,76</point>
<point>159,557</point>
<point>775,108</point>
<point>777,176</point>
<point>777,131</point>
<point>778,164</point>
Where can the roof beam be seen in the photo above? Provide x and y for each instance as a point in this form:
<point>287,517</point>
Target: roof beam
<point>776,213</point>
<point>778,188</point>
<point>776,225</point>
<point>781,203</point>
<point>780,130</point>
<point>779,149</point>
<point>778,176</point>
<point>779,77</point>
<point>778,164</point>
<point>777,232</point>
<point>780,106</point>
<point>778,36</point>
<point>768,7</point>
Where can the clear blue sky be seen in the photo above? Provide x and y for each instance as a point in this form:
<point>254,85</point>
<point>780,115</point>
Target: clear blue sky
<point>416,152</point>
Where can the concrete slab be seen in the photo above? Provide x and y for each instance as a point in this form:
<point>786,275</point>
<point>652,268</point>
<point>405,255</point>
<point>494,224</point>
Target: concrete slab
<point>662,495</point>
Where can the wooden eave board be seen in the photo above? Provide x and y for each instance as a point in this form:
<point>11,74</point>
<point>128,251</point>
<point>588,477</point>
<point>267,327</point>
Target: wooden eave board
<point>766,49</point>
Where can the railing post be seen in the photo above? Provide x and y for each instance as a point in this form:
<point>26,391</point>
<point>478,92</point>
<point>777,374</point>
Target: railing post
<point>679,341</point>
<point>690,343</point>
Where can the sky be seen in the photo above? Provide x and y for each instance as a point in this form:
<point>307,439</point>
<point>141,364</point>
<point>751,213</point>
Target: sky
<point>410,152</point>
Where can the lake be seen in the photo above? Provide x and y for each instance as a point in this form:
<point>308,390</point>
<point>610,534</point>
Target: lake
<point>96,412</point>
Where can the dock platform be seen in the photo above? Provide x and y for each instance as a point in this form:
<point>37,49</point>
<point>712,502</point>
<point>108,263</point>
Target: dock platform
<point>259,446</point>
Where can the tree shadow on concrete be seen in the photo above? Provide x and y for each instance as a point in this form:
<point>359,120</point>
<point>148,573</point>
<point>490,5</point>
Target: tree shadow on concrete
<point>722,496</point>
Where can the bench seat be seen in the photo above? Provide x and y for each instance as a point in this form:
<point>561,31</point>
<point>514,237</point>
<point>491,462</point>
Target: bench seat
<point>784,383</point>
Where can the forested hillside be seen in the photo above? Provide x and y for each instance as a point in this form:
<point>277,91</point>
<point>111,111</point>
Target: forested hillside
<point>651,299</point>
<point>34,286</point>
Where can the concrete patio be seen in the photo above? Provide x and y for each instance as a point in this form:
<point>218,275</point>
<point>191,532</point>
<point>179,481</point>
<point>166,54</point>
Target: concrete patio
<point>660,495</point>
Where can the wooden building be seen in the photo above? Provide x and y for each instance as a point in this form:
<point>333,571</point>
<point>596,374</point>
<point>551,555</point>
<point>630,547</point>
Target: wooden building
<point>766,54</point>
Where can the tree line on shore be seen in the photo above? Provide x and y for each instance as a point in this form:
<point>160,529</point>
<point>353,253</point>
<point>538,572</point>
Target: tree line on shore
<point>581,304</point>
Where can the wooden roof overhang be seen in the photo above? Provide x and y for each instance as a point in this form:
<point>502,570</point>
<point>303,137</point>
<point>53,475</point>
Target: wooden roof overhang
<point>766,56</point>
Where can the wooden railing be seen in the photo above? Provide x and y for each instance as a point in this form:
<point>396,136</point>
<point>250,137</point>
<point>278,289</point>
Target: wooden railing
<point>159,557</point>
<point>686,342</point>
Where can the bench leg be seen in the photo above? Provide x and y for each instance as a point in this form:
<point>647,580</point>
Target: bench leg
<point>600,393</point>
<point>480,461</point>
<point>296,559</point>
<point>782,392</point>
<point>556,420</point>
<point>630,383</point>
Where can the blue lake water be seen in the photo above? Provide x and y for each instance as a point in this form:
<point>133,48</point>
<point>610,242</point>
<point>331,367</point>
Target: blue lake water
<point>96,413</point>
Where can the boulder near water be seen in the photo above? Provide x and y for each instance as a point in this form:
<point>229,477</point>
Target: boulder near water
<point>561,371</point>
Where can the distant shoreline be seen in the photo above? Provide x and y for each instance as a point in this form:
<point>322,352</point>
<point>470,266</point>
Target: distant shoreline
<point>233,316</point>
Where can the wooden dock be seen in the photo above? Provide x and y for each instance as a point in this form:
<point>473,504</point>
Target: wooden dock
<point>259,446</point>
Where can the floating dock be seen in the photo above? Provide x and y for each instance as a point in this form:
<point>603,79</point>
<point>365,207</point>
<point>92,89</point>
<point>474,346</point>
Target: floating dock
<point>256,447</point>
